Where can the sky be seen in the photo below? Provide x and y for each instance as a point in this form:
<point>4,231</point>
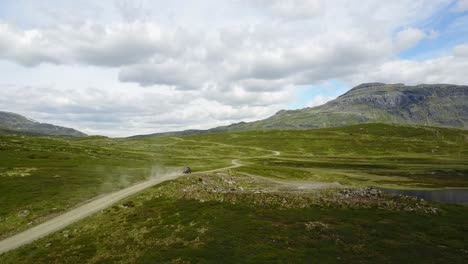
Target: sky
<point>120,67</point>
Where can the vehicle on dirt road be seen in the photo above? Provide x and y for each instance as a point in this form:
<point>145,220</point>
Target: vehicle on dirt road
<point>187,170</point>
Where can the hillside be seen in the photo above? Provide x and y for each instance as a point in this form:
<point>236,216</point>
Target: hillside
<point>308,203</point>
<point>441,105</point>
<point>429,105</point>
<point>14,123</point>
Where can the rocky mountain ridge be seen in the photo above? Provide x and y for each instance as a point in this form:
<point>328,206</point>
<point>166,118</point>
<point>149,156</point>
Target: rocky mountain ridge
<point>442,105</point>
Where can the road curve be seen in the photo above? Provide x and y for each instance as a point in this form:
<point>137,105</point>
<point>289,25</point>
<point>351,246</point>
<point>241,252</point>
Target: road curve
<point>98,204</point>
<point>74,215</point>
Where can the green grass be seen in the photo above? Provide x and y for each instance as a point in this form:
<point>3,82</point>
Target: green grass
<point>48,176</point>
<point>363,155</point>
<point>161,229</point>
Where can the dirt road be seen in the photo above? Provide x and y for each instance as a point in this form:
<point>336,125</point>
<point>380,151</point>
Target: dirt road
<point>98,204</point>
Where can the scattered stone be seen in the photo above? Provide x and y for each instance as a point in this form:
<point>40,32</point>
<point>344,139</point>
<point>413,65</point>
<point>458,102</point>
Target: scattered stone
<point>128,204</point>
<point>229,182</point>
<point>315,226</point>
<point>23,213</point>
<point>48,245</point>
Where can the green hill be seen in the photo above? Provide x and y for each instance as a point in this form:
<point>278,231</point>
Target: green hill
<point>441,105</point>
<point>11,123</point>
<point>429,105</point>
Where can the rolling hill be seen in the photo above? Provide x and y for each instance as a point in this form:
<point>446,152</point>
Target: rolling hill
<point>11,123</point>
<point>440,105</point>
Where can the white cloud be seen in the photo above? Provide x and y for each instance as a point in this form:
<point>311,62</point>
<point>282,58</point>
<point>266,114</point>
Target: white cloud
<point>320,100</point>
<point>292,9</point>
<point>462,6</point>
<point>90,43</point>
<point>28,47</point>
<point>447,69</point>
<point>409,38</point>
<point>166,65</point>
<point>184,75</point>
<point>120,112</point>
<point>461,50</point>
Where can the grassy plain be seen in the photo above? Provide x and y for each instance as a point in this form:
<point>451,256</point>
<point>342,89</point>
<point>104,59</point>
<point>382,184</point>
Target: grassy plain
<point>42,177</point>
<point>363,155</point>
<point>236,213</point>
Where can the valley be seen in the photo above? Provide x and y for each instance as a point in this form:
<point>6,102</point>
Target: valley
<point>315,188</point>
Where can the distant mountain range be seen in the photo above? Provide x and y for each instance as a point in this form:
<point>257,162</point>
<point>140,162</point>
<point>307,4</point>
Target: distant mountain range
<point>18,124</point>
<point>443,105</point>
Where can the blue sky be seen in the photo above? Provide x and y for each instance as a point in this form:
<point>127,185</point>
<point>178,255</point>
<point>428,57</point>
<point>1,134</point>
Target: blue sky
<point>325,91</point>
<point>451,27</point>
<point>124,67</point>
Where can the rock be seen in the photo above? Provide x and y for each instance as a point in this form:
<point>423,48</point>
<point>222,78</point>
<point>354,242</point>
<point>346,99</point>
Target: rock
<point>315,225</point>
<point>128,204</point>
<point>48,245</point>
<point>23,213</point>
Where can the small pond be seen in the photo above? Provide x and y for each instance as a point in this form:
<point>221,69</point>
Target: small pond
<point>446,196</point>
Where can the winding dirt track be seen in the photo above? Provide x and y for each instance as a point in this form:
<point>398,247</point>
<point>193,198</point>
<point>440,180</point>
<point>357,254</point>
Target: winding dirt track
<point>98,204</point>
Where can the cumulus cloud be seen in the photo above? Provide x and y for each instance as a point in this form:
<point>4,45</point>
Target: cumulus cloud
<point>28,47</point>
<point>447,69</point>
<point>409,38</point>
<point>244,62</point>
<point>120,112</point>
<point>461,50</point>
<point>181,74</point>
<point>90,43</point>
<point>291,9</point>
<point>462,6</point>
<point>319,100</point>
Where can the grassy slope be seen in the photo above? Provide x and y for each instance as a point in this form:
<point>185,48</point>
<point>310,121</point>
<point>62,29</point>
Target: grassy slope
<point>157,226</point>
<point>160,226</point>
<point>434,105</point>
<point>47,176</point>
<point>368,154</point>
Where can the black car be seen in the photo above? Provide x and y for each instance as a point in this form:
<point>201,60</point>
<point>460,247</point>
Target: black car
<point>187,170</point>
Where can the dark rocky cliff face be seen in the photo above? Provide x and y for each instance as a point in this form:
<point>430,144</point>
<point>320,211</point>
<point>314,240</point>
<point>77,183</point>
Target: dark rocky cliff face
<point>11,122</point>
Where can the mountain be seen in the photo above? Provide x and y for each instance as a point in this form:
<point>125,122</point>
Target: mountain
<point>442,105</point>
<point>14,123</point>
<point>429,105</point>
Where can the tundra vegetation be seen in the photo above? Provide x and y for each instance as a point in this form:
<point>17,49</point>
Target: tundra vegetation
<point>310,203</point>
